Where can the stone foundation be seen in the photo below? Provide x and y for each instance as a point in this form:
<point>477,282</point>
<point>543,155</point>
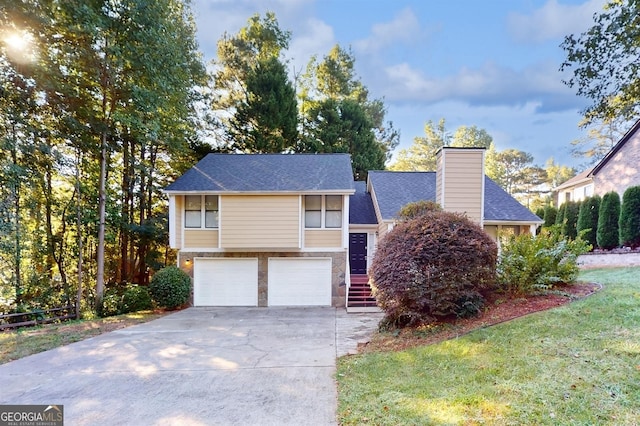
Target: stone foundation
<point>338,270</point>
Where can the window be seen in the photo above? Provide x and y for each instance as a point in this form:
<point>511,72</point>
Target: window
<point>199,206</point>
<point>333,211</point>
<point>313,211</point>
<point>323,211</point>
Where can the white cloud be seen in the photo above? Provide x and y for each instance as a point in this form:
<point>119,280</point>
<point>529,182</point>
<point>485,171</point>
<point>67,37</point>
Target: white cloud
<point>404,28</point>
<point>313,37</point>
<point>553,20</point>
<point>490,84</point>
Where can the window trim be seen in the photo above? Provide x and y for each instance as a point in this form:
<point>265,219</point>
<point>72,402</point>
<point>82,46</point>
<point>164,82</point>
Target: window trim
<point>203,212</point>
<point>323,212</point>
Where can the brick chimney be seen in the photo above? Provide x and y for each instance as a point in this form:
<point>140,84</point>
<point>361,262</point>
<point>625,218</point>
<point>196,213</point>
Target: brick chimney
<point>460,181</point>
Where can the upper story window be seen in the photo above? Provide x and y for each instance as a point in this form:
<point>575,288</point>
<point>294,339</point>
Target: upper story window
<point>323,211</point>
<point>201,211</point>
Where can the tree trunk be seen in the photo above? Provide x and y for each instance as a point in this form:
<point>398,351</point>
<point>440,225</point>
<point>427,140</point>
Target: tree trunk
<point>102,207</point>
<point>79,231</point>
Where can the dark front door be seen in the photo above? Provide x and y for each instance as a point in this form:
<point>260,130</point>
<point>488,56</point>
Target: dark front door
<point>358,253</point>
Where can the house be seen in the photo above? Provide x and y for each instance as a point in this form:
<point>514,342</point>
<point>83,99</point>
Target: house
<point>295,229</point>
<point>617,171</point>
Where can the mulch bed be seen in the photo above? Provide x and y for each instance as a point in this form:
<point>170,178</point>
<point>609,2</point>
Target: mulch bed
<point>496,311</point>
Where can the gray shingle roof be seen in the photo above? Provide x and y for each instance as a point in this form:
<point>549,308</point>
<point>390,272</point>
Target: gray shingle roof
<point>395,189</point>
<point>361,211</point>
<point>267,173</point>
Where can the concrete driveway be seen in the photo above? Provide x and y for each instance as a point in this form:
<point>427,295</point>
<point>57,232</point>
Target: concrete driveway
<point>200,366</point>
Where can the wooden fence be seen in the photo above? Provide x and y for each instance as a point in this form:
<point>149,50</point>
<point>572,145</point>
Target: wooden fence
<point>40,316</point>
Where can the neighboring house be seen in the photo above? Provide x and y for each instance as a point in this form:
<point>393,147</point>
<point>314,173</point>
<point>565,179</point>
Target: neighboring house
<point>295,229</point>
<point>617,171</point>
<point>577,188</point>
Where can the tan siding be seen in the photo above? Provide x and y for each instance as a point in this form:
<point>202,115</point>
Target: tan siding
<point>178,221</point>
<point>314,238</point>
<point>260,221</point>
<point>463,182</point>
<point>200,238</point>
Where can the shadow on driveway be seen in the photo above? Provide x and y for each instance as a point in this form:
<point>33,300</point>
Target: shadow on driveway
<point>199,366</point>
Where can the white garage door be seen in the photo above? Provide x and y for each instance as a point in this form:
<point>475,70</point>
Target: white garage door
<point>225,282</point>
<point>299,282</point>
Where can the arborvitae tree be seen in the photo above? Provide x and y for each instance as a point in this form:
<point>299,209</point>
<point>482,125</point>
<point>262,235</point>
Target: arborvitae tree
<point>608,217</point>
<point>549,217</point>
<point>560,215</point>
<point>570,219</point>
<point>540,212</point>
<point>588,219</point>
<point>629,222</point>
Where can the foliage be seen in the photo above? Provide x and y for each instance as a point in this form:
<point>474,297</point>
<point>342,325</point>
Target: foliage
<point>529,263</point>
<point>604,65</point>
<point>560,215</point>
<point>343,126</point>
<point>260,40</point>
<point>587,224</point>
<point>629,223</point>
<point>123,299</point>
<point>557,174</point>
<point>601,137</point>
<point>550,213</point>
<point>421,155</point>
<point>435,265</point>
<point>607,234</point>
<point>170,287</point>
<point>266,121</point>
<point>102,115</point>
<point>571,210</point>
<point>326,89</point>
<point>414,210</point>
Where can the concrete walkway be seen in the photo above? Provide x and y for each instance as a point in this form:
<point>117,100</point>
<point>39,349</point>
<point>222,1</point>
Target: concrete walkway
<point>200,366</point>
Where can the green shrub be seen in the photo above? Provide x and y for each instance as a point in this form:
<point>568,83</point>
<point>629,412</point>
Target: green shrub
<point>413,210</point>
<point>570,219</point>
<point>110,302</point>
<point>587,225</point>
<point>135,298</point>
<point>122,299</point>
<point>560,216</point>
<point>435,265</point>
<point>533,263</point>
<point>550,214</point>
<point>607,235</point>
<point>170,287</point>
<point>629,223</point>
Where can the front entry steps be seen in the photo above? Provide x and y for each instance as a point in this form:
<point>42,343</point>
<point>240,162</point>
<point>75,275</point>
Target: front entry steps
<point>359,298</point>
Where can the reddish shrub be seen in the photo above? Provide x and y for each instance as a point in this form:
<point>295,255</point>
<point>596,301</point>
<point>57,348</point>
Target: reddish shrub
<point>435,265</point>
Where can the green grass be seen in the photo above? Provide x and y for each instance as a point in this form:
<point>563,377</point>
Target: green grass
<point>15,344</point>
<point>574,365</point>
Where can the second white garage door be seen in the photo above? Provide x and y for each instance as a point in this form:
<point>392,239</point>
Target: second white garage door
<point>299,282</point>
<point>225,282</point>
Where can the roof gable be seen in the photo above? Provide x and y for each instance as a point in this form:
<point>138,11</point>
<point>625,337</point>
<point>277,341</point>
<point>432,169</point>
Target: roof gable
<point>635,128</point>
<point>395,189</point>
<point>267,173</point>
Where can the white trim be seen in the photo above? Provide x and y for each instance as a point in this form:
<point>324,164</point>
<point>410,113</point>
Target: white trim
<point>309,192</point>
<point>482,190</point>
<point>345,222</point>
<point>264,250</point>
<point>172,219</point>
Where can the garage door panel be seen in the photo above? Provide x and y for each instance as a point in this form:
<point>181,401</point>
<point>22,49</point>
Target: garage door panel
<point>300,282</point>
<point>225,282</point>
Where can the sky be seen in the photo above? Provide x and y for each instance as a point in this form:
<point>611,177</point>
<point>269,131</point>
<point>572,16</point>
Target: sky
<point>493,64</point>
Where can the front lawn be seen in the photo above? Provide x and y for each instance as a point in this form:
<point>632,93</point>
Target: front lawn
<point>578,364</point>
